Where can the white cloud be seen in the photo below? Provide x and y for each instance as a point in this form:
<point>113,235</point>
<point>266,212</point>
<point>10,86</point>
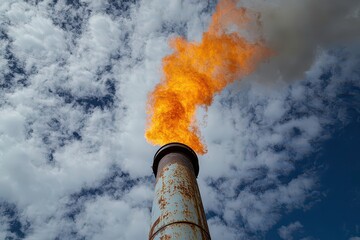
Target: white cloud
<point>38,42</point>
<point>73,158</point>
<point>286,232</point>
<point>17,12</point>
<point>219,230</point>
<point>99,218</point>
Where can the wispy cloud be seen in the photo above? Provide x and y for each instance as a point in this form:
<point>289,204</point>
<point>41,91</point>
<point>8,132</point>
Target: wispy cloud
<point>286,232</point>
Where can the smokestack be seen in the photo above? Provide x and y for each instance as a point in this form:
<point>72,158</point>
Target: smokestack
<point>177,211</point>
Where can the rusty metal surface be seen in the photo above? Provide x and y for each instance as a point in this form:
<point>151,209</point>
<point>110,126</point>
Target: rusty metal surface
<point>177,211</point>
<point>180,231</point>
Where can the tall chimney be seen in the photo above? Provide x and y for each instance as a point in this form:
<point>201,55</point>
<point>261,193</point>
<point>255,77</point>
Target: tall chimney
<point>177,211</point>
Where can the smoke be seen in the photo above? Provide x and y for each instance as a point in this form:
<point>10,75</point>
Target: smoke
<point>298,30</point>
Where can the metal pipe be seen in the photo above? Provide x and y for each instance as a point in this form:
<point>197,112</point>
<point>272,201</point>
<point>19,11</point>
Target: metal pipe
<point>177,211</point>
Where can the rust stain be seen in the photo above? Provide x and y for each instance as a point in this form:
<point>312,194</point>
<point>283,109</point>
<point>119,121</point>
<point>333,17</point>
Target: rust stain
<point>185,185</point>
<point>165,237</point>
<point>187,214</point>
<point>162,202</point>
<point>153,227</point>
<point>166,216</point>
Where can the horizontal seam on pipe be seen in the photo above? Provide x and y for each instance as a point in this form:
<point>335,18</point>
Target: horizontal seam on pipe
<point>184,222</point>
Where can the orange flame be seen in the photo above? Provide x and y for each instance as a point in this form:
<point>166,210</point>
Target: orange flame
<point>195,72</point>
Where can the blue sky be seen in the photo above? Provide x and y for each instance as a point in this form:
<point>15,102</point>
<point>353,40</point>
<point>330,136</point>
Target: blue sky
<point>336,215</point>
<point>283,143</point>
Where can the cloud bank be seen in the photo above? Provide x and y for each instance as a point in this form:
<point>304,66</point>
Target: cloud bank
<point>74,163</point>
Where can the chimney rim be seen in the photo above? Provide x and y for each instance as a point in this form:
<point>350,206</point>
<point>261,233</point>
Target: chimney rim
<point>176,147</point>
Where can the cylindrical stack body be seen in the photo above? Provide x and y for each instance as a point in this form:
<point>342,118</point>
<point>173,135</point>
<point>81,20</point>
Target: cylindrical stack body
<point>177,211</point>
